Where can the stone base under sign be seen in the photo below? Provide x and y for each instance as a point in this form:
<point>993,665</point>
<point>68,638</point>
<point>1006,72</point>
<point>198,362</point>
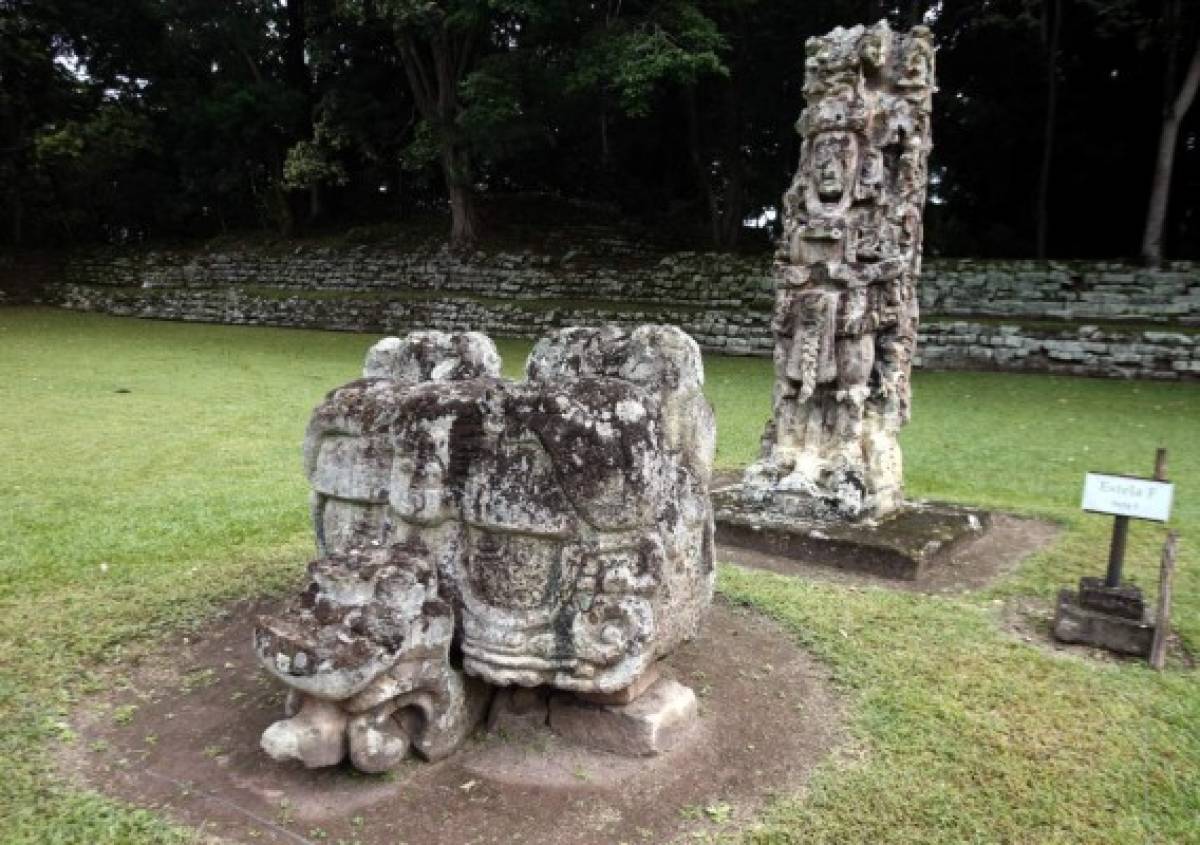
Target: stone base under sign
<point>1112,618</point>
<point>1124,600</point>
<point>900,545</point>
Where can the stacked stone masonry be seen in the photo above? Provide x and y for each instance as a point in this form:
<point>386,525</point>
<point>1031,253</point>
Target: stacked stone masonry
<point>1062,317</point>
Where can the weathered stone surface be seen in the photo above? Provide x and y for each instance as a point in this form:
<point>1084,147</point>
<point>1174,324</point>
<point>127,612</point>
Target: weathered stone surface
<point>368,642</point>
<point>721,300</point>
<point>555,531</point>
<point>623,696</point>
<point>846,306</point>
<point>433,356</point>
<point>249,281</point>
<point>655,722</point>
<point>900,545</point>
<point>1123,600</point>
<point>1074,623</point>
<point>316,736</point>
<point>828,486</point>
<point>573,265</point>
<point>380,742</point>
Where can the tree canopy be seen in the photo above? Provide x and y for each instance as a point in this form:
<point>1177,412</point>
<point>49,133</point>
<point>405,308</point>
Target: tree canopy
<point>150,119</point>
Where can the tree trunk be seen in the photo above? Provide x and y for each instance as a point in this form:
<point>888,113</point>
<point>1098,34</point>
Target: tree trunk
<point>1160,186</point>
<point>611,13</point>
<point>699,164</point>
<point>281,207</point>
<point>734,195</point>
<point>464,216</point>
<point>315,207</point>
<point>916,12</point>
<point>724,191</point>
<point>735,201</point>
<point>276,198</point>
<point>16,211</point>
<point>605,152</point>
<point>298,79</point>
<point>1051,27</point>
<point>295,67</point>
<point>435,65</point>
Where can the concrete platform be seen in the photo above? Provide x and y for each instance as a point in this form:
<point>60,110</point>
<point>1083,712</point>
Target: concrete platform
<point>901,545</point>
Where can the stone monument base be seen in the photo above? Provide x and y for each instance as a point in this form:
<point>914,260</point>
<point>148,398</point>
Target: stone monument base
<point>656,719</point>
<point>1112,618</point>
<point>900,545</point>
<point>654,722</point>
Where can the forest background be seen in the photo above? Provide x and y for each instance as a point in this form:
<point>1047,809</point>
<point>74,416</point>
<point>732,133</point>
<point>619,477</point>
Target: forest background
<point>1063,128</point>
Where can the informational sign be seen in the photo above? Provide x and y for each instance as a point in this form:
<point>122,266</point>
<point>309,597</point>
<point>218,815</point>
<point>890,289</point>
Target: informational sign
<point>1121,495</point>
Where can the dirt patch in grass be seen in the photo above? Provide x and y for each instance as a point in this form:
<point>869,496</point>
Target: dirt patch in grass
<point>974,564</point>
<point>182,737</point>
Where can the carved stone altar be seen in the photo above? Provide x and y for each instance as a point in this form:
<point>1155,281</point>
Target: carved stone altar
<point>478,532</point>
<point>846,307</point>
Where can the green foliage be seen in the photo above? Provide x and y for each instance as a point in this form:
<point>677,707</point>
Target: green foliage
<point>59,144</point>
<point>307,165</point>
<point>314,162</point>
<point>672,42</point>
<point>423,148</point>
<point>677,109</point>
<point>508,103</point>
<point>108,140</point>
<point>433,14</point>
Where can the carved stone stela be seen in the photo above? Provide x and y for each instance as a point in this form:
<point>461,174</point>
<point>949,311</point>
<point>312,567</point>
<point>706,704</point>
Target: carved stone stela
<point>552,534</point>
<point>846,308</point>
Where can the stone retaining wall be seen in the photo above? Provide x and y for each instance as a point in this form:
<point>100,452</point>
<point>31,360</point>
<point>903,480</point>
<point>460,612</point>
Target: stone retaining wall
<point>713,280</point>
<point>1062,290</point>
<point>1075,291</point>
<point>722,300</point>
<point>959,344</point>
<point>1072,350</point>
<point>733,331</point>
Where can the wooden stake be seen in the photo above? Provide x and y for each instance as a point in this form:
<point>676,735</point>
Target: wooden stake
<point>1120,534</point>
<point>1160,464</point>
<point>1162,625</point>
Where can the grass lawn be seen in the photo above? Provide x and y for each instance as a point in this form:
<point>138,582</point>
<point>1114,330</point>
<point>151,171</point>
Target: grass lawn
<point>151,472</point>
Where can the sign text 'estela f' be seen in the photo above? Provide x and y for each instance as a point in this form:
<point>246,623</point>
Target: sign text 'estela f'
<point>1121,495</point>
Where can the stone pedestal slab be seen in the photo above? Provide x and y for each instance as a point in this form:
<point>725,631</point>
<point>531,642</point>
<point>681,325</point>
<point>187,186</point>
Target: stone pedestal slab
<point>655,722</point>
<point>519,709</point>
<point>900,545</point>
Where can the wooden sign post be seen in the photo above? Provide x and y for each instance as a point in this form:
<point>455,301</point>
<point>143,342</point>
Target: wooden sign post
<point>1104,612</point>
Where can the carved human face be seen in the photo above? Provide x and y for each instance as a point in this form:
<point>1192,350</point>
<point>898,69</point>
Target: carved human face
<point>918,61</point>
<point>870,172</point>
<point>831,182</point>
<point>831,168</point>
<point>872,49</point>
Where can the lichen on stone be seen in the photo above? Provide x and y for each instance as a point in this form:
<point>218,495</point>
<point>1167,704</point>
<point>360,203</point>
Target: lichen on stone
<point>479,532</point>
